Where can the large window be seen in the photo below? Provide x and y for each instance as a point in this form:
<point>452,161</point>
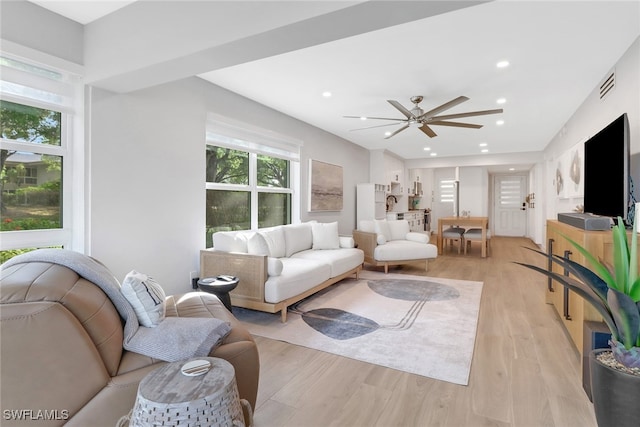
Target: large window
<point>251,180</point>
<point>38,120</point>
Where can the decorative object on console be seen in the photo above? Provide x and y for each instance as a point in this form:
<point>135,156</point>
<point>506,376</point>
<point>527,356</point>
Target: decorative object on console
<point>325,186</point>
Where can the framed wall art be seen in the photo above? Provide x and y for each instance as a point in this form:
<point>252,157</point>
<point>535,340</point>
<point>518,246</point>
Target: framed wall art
<point>325,186</point>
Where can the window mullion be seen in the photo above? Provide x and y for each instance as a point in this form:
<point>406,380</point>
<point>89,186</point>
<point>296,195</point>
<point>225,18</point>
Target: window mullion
<point>253,185</point>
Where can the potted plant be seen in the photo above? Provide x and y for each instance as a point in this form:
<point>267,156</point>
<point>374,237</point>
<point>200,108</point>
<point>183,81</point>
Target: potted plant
<point>614,291</point>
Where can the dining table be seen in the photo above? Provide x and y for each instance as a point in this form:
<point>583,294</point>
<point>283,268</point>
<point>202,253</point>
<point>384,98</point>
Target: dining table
<point>481,222</point>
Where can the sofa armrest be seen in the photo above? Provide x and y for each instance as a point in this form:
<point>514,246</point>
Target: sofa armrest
<point>251,270</point>
<point>347,242</point>
<point>365,241</point>
<point>417,237</point>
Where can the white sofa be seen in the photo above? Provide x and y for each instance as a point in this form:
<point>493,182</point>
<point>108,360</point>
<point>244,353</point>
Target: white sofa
<point>278,266</point>
<point>391,243</point>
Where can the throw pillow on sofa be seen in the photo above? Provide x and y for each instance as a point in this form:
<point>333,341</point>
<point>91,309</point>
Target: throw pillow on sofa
<point>325,235</point>
<point>257,245</point>
<point>146,297</point>
<point>275,241</point>
<point>297,238</point>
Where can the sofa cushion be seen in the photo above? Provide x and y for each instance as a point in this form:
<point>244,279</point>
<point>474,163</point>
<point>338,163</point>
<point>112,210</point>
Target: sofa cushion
<point>398,229</point>
<point>398,250</point>
<point>297,237</point>
<point>257,245</point>
<point>295,279</point>
<point>146,296</point>
<point>382,227</point>
<point>325,236</point>
<point>230,241</point>
<point>340,260</point>
<point>275,241</point>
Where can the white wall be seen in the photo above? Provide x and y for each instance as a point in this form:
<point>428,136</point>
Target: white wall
<point>474,191</point>
<point>592,116</point>
<point>148,174</point>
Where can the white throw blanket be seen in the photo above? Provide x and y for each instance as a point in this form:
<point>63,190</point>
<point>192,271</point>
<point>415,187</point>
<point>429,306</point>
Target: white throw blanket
<point>174,339</point>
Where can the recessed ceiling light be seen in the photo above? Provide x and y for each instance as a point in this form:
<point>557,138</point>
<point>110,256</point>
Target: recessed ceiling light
<point>484,150</point>
<point>501,100</point>
<point>387,133</point>
<point>483,144</point>
<point>326,94</point>
<point>512,169</point>
<point>433,154</point>
<point>363,118</point>
<point>502,64</point>
<point>500,122</point>
<point>427,148</point>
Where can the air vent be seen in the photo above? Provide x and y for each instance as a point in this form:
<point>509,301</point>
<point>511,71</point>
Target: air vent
<point>608,84</point>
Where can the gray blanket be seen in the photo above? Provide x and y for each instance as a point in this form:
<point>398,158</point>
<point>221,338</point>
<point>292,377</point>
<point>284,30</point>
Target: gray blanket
<point>174,339</point>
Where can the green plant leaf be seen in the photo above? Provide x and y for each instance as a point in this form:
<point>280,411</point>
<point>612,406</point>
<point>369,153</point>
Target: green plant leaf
<point>602,271</point>
<point>633,265</point>
<point>625,314</point>
<point>587,276</point>
<point>583,290</point>
<point>634,292</point>
<point>620,258</point>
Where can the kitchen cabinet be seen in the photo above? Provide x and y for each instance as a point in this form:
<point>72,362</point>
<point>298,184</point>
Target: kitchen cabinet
<point>415,218</point>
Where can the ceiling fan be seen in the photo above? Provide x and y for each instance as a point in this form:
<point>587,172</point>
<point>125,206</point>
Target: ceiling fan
<point>417,117</point>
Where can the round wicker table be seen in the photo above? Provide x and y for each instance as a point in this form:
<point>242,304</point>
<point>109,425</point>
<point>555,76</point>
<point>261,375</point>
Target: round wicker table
<point>169,397</point>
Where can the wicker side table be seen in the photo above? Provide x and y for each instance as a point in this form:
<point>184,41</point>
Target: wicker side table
<point>168,397</point>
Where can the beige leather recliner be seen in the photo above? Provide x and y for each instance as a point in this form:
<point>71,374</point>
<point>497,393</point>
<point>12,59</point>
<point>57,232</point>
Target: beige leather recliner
<point>61,354</point>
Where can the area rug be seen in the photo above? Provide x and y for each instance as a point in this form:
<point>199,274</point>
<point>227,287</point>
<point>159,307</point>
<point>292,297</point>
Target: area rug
<point>422,325</point>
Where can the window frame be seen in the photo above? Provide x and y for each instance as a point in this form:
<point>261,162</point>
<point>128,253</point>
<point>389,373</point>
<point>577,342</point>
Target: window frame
<point>227,133</point>
<point>71,149</point>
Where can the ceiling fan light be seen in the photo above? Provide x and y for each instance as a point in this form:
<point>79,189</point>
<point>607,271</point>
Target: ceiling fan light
<point>415,124</point>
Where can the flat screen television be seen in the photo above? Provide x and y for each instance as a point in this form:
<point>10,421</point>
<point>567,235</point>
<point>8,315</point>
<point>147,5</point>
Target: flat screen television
<point>606,171</point>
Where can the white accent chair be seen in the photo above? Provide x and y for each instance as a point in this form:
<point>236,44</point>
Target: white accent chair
<point>452,234</point>
<point>475,235</point>
<point>391,243</point>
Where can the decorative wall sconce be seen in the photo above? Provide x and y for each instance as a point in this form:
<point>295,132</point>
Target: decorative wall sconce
<point>530,199</point>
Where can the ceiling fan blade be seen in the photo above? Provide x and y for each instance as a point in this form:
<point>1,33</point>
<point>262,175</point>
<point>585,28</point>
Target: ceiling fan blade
<point>469,114</point>
<point>446,106</point>
<point>373,118</point>
<point>408,114</point>
<point>371,127</point>
<point>455,124</point>
<point>428,131</point>
<point>397,131</point>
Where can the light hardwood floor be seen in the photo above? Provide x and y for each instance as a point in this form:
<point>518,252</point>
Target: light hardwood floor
<point>525,372</point>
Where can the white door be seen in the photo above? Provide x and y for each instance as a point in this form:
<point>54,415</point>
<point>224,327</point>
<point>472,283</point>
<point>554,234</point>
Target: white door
<point>510,212</point>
